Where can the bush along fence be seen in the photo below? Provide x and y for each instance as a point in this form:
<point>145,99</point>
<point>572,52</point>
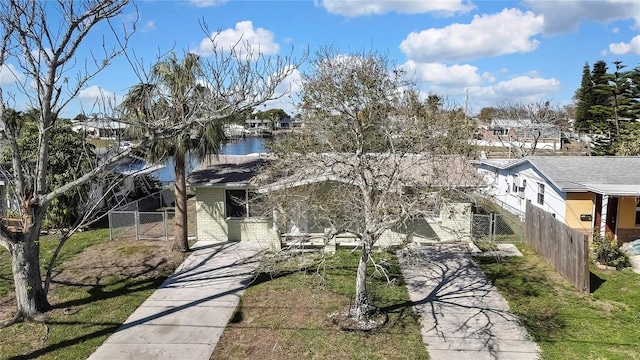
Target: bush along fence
<point>566,249</point>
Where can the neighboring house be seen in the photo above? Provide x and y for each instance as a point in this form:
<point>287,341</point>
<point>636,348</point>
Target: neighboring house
<point>285,123</point>
<point>592,194</point>
<point>129,178</point>
<point>520,133</point>
<point>100,129</point>
<point>224,188</point>
<point>257,123</point>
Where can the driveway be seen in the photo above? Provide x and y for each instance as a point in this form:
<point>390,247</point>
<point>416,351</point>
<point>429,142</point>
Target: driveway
<point>463,315</point>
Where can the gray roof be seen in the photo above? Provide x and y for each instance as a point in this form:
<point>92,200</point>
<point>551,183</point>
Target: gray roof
<point>518,123</point>
<point>580,173</point>
<point>240,170</point>
<point>226,170</point>
<point>99,124</point>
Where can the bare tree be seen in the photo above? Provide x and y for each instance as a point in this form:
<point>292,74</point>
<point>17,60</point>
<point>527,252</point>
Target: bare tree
<point>371,155</point>
<point>522,127</point>
<point>42,38</point>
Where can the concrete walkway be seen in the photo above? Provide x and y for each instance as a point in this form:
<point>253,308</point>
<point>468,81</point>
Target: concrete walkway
<point>463,316</point>
<point>185,317</point>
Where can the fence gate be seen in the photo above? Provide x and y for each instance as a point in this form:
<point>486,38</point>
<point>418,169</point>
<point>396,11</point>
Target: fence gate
<point>496,227</point>
<point>140,225</point>
<point>481,225</point>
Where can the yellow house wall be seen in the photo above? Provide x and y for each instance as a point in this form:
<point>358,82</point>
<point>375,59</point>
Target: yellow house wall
<point>210,214</point>
<point>576,204</point>
<point>214,226</point>
<point>626,227</point>
<point>626,212</point>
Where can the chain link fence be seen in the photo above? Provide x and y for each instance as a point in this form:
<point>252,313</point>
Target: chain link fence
<point>140,225</point>
<point>496,228</point>
<point>148,225</point>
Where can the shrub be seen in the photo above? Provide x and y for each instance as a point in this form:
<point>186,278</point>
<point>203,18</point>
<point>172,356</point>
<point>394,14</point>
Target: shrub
<point>607,251</point>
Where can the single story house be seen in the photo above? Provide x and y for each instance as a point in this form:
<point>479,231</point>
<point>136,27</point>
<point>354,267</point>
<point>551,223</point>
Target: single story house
<point>285,123</point>
<point>224,188</point>
<point>100,129</point>
<point>522,133</point>
<point>257,123</point>
<point>598,194</point>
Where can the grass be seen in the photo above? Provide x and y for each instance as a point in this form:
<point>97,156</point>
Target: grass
<point>103,143</point>
<point>73,246</point>
<point>97,285</point>
<point>288,316</point>
<point>565,323</point>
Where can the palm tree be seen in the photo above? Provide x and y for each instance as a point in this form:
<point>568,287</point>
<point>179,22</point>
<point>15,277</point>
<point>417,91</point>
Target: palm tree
<point>173,98</point>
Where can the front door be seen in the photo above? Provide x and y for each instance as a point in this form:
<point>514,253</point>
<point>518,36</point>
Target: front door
<point>612,216</point>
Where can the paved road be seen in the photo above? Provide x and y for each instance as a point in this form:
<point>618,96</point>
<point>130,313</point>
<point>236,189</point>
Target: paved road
<point>463,316</point>
<point>185,317</point>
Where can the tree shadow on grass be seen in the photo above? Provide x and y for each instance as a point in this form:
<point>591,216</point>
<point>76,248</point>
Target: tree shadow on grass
<point>116,327</point>
<point>196,273</point>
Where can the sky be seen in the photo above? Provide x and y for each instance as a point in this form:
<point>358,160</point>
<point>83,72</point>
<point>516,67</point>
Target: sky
<point>474,54</point>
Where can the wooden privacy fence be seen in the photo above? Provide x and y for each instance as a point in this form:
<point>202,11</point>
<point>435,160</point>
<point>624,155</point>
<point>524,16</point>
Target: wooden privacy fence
<point>566,249</point>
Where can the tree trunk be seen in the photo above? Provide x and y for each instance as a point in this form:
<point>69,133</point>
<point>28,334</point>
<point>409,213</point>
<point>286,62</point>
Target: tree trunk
<point>181,241</point>
<point>31,299</point>
<point>362,301</point>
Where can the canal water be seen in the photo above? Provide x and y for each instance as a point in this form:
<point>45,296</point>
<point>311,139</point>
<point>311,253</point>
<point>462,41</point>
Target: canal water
<point>244,146</point>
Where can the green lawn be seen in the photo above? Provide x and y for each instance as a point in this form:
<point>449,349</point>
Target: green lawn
<point>98,285</point>
<point>565,323</point>
<point>288,316</point>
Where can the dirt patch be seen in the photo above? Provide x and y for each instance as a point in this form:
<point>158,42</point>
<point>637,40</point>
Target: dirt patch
<point>129,259</point>
<point>124,259</point>
<point>267,322</point>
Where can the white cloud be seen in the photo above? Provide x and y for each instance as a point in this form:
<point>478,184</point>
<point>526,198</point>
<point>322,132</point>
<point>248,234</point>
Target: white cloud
<point>622,48</point>
<point>288,89</point>
<point>441,74</point>
<point>521,88</point>
<point>149,26</point>
<point>566,15</point>
<point>353,8</point>
<point>507,32</point>
<point>242,37</point>
<point>9,75</point>
<point>96,97</point>
<point>207,3</point>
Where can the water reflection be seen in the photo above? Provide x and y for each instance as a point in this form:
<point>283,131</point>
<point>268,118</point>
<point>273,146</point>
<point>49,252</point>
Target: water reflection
<point>244,146</point>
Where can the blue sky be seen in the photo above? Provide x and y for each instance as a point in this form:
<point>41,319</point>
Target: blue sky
<point>489,51</point>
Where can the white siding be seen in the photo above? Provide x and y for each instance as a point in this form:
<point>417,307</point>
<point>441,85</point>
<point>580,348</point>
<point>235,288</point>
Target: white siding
<point>501,183</point>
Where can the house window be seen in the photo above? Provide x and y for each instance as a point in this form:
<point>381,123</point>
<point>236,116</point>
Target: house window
<point>515,185</point>
<point>241,203</point>
<point>638,216</point>
<point>541,194</point>
<point>500,132</point>
<point>236,203</point>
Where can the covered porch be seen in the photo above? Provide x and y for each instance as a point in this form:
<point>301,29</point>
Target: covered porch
<point>616,211</point>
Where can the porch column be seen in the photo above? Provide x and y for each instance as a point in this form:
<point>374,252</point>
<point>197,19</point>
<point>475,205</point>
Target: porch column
<point>603,218</point>
<point>274,225</point>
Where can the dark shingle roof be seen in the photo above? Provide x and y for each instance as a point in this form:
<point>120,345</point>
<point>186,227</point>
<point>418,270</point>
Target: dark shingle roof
<point>225,170</point>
